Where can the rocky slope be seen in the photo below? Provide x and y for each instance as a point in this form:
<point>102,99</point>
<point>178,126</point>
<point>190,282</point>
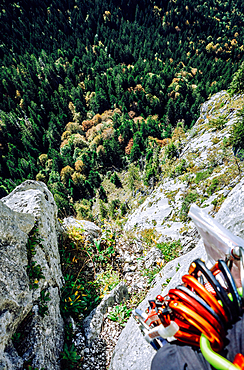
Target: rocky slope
<point>204,173</point>
<point>132,351</point>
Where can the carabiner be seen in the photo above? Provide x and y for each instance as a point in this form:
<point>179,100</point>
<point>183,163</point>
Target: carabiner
<point>203,303</point>
<point>213,358</point>
<point>237,302</point>
<point>194,305</point>
<point>199,265</point>
<point>208,297</point>
<point>188,338</point>
<point>199,322</point>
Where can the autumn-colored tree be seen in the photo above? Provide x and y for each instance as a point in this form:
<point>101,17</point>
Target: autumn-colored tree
<point>79,165</point>
<point>66,174</point>
<point>43,159</point>
<point>129,146</point>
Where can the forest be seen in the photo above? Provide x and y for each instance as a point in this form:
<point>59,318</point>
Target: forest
<point>89,87</point>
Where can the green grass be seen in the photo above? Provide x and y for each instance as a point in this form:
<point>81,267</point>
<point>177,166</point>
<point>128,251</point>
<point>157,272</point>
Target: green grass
<point>170,250</point>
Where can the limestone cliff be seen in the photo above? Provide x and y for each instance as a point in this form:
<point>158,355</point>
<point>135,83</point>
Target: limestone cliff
<point>206,173</point>
<point>30,204</point>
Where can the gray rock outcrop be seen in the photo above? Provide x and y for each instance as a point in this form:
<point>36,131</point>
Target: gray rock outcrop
<point>41,341</point>
<point>93,323</point>
<point>89,229</point>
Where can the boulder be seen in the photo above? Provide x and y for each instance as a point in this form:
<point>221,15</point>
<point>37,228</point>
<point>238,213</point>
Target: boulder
<point>30,204</point>
<point>89,229</point>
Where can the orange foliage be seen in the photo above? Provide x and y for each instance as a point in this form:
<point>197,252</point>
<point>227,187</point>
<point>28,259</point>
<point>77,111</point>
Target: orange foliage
<point>65,142</point>
<point>131,114</point>
<point>79,165</point>
<point>91,133</point>
<point>120,139</point>
<point>129,146</point>
<point>97,119</point>
<point>86,125</point>
<point>138,119</point>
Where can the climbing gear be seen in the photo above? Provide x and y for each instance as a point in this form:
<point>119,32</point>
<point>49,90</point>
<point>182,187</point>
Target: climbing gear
<point>191,314</point>
<point>209,300</point>
<point>197,313</point>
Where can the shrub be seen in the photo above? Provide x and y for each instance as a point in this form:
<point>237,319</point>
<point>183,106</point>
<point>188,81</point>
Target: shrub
<point>170,250</point>
<point>213,186</point>
<point>237,133</point>
<point>218,123</point>
<point>171,151</point>
<point>113,207</point>
<point>180,169</point>
<point>83,209</point>
<point>120,314</point>
<point>107,280</point>
<point>189,198</point>
<point>103,209</point>
<point>178,133</point>
<point>64,208</point>
<point>202,176</point>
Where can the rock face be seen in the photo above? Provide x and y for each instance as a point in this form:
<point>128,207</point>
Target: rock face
<point>41,339</point>
<point>215,173</point>
<point>132,352</point>
<point>231,213</point>
<point>93,323</point>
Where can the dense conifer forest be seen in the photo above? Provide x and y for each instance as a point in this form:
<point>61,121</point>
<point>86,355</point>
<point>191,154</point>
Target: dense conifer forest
<point>87,86</point>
